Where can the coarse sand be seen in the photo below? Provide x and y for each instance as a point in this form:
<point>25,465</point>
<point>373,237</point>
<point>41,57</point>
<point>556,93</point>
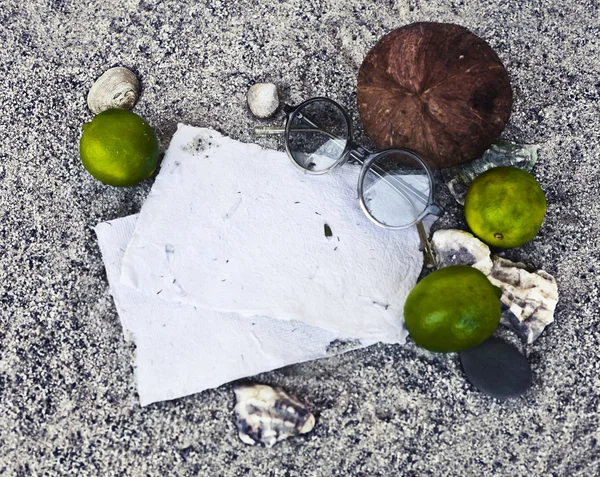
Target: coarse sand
<point>67,398</point>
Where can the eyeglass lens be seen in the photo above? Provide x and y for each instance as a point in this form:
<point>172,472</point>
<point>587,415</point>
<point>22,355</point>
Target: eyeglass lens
<point>317,136</point>
<point>395,189</point>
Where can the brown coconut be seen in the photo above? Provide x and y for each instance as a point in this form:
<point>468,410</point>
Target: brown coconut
<point>436,89</point>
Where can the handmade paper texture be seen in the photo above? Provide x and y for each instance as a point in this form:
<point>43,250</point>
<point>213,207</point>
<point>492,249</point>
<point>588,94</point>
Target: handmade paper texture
<point>233,227</point>
<point>181,349</point>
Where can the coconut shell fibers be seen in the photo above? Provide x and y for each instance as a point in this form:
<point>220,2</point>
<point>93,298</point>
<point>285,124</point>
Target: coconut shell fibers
<point>436,89</point>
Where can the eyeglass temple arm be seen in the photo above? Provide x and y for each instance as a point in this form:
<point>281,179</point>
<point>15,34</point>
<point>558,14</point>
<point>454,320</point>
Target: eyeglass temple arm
<point>426,244</point>
<point>268,130</point>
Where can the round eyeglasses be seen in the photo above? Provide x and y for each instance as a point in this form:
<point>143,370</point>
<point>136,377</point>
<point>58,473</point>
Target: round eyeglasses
<point>395,186</point>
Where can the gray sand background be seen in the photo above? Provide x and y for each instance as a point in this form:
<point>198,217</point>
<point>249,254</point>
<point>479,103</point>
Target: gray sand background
<point>67,399</point>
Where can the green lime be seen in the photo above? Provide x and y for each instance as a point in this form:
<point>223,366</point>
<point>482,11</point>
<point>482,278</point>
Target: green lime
<point>505,207</point>
<point>119,148</point>
<point>452,309</point>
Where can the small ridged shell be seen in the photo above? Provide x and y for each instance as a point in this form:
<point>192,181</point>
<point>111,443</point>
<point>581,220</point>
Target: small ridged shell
<point>116,88</point>
<point>266,415</point>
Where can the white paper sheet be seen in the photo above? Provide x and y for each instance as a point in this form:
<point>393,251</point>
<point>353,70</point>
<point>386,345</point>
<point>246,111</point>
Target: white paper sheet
<point>236,228</point>
<point>181,350</point>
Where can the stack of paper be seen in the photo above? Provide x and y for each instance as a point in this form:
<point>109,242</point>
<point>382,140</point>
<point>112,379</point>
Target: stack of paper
<point>239,263</point>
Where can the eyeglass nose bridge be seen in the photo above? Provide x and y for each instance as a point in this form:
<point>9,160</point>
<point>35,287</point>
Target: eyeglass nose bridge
<point>357,152</point>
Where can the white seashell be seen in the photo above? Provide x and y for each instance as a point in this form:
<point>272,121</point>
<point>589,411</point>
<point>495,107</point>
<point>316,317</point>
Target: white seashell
<point>529,297</point>
<point>263,99</point>
<point>266,415</point>
<point>116,88</point>
<point>457,247</point>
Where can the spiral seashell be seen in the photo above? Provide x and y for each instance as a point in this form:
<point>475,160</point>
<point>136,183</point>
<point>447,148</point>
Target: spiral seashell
<point>116,88</point>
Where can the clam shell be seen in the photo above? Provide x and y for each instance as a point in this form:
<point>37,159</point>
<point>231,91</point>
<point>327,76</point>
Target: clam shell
<point>266,415</point>
<point>116,88</point>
